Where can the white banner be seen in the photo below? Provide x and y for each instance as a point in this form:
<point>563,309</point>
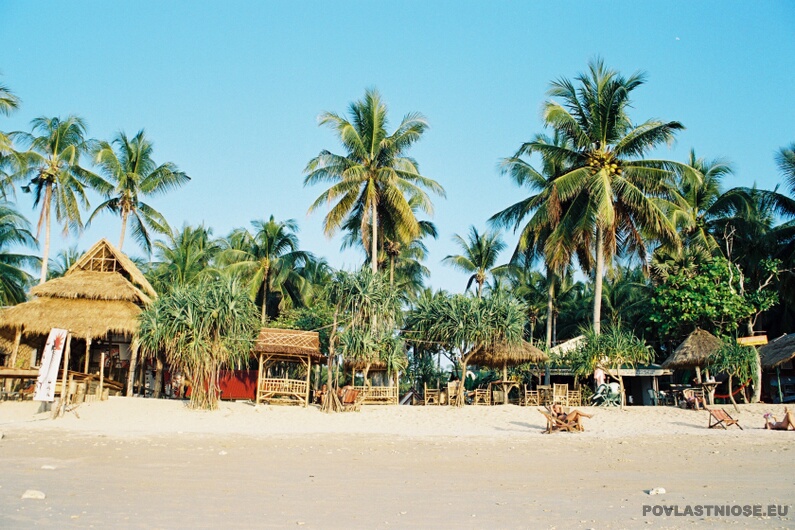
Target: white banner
<point>50,361</point>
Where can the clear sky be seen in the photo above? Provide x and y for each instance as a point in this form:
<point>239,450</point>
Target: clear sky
<point>231,91</point>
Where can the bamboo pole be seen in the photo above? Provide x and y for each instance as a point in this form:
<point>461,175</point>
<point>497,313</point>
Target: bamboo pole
<point>308,372</point>
<point>101,373</point>
<point>88,354</point>
<point>259,378</point>
<point>17,339</point>
<point>131,370</point>
<point>64,382</point>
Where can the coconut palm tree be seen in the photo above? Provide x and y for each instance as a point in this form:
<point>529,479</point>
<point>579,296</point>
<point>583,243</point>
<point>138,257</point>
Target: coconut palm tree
<point>785,159</point>
<point>186,257</point>
<point>8,104</point>
<point>479,257</point>
<point>134,174</point>
<point>14,232</point>
<point>269,259</point>
<point>55,176</point>
<point>63,262</point>
<point>623,196</point>
<point>374,174</point>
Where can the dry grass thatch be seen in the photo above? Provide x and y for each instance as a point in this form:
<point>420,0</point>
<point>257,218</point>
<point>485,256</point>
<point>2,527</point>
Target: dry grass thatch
<point>93,286</point>
<point>778,351</point>
<point>288,342</point>
<point>509,355</point>
<point>104,257</point>
<point>7,336</point>
<point>694,351</point>
<point>359,365</point>
<point>83,318</point>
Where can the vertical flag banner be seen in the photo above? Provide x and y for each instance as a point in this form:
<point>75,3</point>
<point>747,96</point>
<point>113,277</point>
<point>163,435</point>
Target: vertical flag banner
<point>50,361</point>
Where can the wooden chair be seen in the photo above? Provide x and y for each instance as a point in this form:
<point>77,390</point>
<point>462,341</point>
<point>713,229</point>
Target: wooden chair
<point>545,394</point>
<point>555,424</point>
<point>721,418</point>
<point>452,392</point>
<point>481,396</point>
<point>530,397</point>
<point>431,396</point>
<point>560,395</point>
<point>574,398</point>
<point>352,400</point>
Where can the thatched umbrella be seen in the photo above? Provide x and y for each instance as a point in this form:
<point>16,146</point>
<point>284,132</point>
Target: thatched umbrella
<point>694,352</point>
<point>776,353</point>
<point>504,355</point>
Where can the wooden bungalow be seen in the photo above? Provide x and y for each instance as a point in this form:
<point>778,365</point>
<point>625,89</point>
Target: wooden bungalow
<point>277,349</point>
<point>98,301</point>
<point>778,356</point>
<point>377,388</point>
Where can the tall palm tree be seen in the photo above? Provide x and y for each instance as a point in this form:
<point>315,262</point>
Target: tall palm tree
<point>185,258</point>
<point>269,259</point>
<point>785,159</point>
<point>374,174</point>
<point>134,174</point>
<point>63,261</point>
<point>8,104</point>
<point>14,232</point>
<point>623,196</point>
<point>55,176</point>
<point>479,258</point>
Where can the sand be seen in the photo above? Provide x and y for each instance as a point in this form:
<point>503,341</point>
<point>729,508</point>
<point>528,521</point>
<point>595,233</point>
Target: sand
<point>143,463</point>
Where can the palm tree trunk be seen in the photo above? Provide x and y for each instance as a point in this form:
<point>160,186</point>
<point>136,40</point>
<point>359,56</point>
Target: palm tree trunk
<point>374,242</point>
<point>731,396</point>
<point>265,295</point>
<point>391,271</point>
<point>45,255</point>
<point>597,290</point>
<point>550,308</point>
<point>123,228</point>
<point>480,288</point>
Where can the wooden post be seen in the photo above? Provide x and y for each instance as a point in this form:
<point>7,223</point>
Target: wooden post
<point>64,381</point>
<point>259,377</point>
<point>88,354</point>
<point>133,366</point>
<point>101,373</point>
<point>14,353</point>
<point>308,371</point>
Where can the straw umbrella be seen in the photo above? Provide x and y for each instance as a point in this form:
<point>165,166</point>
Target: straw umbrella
<point>776,353</point>
<point>504,355</point>
<point>694,352</point>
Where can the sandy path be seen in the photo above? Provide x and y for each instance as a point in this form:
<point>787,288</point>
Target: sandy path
<point>483,467</point>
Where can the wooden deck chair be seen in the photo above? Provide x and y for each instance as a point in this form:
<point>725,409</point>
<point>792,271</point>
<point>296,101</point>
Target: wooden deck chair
<point>481,396</point>
<point>555,424</point>
<point>721,418</point>
<point>431,396</point>
<point>530,397</point>
<point>352,400</point>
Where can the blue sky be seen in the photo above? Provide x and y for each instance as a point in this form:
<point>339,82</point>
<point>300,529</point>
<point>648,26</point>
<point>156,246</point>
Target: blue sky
<point>231,91</point>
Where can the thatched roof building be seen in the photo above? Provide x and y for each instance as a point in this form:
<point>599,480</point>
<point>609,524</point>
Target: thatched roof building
<point>102,293</point>
<point>503,355</point>
<point>696,350</point>
<point>288,343</point>
<point>778,351</point>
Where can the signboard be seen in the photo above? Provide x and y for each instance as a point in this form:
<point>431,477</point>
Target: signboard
<point>756,340</point>
<point>50,361</point>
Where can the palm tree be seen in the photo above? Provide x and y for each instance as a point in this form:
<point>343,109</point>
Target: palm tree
<point>374,175</point>
<point>52,166</point>
<point>480,253</point>
<point>63,262</point>
<point>184,259</point>
<point>785,159</point>
<point>8,104</point>
<point>620,197</point>
<point>134,174</point>
<point>14,232</point>
<point>269,259</point>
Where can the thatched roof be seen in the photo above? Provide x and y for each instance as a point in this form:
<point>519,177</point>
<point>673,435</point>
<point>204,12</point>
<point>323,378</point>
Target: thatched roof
<point>510,355</point>
<point>104,257</point>
<point>288,342</point>
<point>7,337</point>
<point>93,286</point>
<point>82,317</point>
<point>359,365</point>
<point>694,351</point>
<point>778,351</point>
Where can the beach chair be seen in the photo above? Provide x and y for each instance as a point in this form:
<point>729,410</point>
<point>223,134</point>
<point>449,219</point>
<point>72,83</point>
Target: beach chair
<point>575,398</point>
<point>560,395</point>
<point>431,396</point>
<point>352,400</point>
<point>530,397</point>
<point>721,418</point>
<point>481,396</point>
<point>544,394</point>
<point>555,424</point>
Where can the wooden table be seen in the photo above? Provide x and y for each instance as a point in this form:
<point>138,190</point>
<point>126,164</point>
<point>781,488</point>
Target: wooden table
<point>505,386</point>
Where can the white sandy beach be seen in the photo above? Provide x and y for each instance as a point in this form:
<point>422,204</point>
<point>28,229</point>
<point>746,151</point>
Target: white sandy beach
<point>156,464</point>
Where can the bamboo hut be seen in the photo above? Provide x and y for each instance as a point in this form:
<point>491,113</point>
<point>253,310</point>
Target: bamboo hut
<point>779,354</point>
<point>276,346</point>
<point>694,352</point>
<point>504,355</point>
<point>98,301</point>
<point>383,393</point>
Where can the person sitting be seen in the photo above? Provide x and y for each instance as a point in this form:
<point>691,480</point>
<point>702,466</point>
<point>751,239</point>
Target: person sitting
<point>319,394</point>
<point>783,425</point>
<point>693,401</point>
<point>569,417</point>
